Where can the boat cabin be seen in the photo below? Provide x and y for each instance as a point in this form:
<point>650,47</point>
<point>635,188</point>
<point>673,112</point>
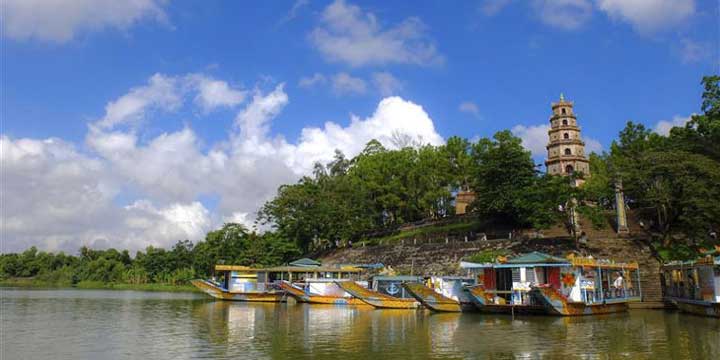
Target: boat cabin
<point>509,281</point>
<point>234,278</point>
<point>697,280</point>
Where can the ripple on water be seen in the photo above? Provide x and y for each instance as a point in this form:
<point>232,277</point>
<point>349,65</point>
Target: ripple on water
<point>97,324</point>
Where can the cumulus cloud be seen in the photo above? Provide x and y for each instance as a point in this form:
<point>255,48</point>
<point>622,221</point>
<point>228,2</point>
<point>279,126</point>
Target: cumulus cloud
<point>348,34</point>
<point>469,107</point>
<point>129,191</point>
<point>563,14</point>
<point>648,16</point>
<point>535,138</point>
<point>663,127</point>
<point>386,83</point>
<point>344,83</point>
<point>212,94</point>
<point>61,21</point>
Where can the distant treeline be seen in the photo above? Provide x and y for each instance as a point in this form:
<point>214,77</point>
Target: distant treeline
<point>176,266</point>
<point>674,179</point>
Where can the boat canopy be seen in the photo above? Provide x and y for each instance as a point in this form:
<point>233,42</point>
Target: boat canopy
<point>305,262</point>
<point>298,269</point>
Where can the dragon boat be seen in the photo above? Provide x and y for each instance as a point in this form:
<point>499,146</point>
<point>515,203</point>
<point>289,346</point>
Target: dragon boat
<point>321,291</point>
<point>442,293</point>
<point>694,286</point>
<point>504,286</point>
<point>385,292</point>
<point>590,287</point>
<point>242,283</point>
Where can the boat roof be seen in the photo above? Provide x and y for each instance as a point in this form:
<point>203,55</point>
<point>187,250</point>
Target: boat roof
<point>537,257</point>
<point>305,262</point>
<point>298,269</point>
<point>703,261</point>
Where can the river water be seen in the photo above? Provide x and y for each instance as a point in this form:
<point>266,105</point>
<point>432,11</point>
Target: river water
<point>99,324</point>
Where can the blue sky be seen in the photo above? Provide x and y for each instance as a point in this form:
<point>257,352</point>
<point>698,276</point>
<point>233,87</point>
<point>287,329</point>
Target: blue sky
<point>172,117</point>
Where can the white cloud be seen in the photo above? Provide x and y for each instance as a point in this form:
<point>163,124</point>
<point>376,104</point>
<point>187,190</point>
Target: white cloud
<point>130,191</point>
<point>386,83</point>
<point>648,16</point>
<point>349,35</point>
<point>213,93</point>
<point>663,127</point>
<point>534,138</point>
<point>492,7</point>
<point>344,83</point>
<point>61,21</point>
<point>694,51</point>
<point>470,108</point>
<point>563,14</point>
<point>592,145</point>
<point>292,14</point>
<point>310,81</point>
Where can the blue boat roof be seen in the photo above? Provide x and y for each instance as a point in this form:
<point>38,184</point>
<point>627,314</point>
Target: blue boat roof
<point>305,262</point>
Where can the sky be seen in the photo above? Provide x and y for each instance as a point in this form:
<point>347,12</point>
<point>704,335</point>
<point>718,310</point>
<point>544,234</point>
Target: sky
<point>134,123</point>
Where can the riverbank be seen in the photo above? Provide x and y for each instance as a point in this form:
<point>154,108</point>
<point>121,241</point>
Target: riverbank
<point>35,283</point>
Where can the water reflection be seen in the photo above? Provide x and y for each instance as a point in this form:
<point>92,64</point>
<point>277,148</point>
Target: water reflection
<point>95,325</point>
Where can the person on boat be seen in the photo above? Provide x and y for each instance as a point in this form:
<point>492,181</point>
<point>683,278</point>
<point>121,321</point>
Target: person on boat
<point>691,286</point>
<point>618,284</point>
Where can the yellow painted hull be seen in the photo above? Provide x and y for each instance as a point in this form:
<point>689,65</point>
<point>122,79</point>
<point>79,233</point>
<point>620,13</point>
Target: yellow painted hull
<point>302,296</point>
<point>431,299</point>
<point>376,299</point>
<point>556,304</point>
<point>218,293</point>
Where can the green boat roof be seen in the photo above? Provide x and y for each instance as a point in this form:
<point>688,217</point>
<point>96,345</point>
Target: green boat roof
<point>536,257</point>
<point>305,262</point>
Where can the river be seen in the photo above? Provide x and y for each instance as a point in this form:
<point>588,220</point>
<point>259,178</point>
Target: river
<point>102,324</point>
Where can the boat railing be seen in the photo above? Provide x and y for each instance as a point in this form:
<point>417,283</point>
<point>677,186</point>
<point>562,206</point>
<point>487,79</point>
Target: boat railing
<point>514,297</point>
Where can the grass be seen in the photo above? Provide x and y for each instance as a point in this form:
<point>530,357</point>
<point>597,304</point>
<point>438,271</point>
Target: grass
<point>35,283</point>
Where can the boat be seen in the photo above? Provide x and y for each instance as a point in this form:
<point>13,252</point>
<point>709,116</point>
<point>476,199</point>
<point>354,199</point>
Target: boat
<point>504,286</point>
<point>385,292</point>
<point>320,291</point>
<point>242,283</point>
<point>587,288</point>
<point>442,293</point>
<point>694,286</point>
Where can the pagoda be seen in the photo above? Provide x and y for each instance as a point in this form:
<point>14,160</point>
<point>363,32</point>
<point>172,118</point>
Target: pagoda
<point>566,150</point>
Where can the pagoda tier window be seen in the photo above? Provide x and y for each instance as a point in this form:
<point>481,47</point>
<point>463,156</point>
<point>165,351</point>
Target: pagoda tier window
<point>566,136</point>
<point>565,122</point>
<point>568,152</point>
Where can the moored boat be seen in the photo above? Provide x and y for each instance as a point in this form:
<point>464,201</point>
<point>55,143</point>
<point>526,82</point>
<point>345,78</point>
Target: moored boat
<point>443,293</point>
<point>321,291</point>
<point>242,283</point>
<point>385,292</point>
<point>591,287</point>
<point>504,286</point>
<point>694,286</point>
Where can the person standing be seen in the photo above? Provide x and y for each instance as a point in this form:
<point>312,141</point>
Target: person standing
<point>618,285</point>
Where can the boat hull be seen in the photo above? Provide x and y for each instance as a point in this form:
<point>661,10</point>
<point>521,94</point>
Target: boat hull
<point>221,294</point>
<point>376,299</point>
<point>697,307</point>
<point>431,299</point>
<point>482,301</point>
<point>302,296</point>
<point>556,304</point>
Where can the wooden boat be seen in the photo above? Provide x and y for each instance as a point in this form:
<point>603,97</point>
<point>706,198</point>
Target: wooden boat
<point>445,294</point>
<point>694,286</point>
<point>241,283</point>
<point>504,286</point>
<point>378,299</point>
<point>320,292</point>
<point>586,288</point>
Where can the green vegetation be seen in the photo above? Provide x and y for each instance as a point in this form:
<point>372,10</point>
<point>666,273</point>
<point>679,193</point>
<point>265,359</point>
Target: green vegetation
<point>152,269</point>
<point>672,182</point>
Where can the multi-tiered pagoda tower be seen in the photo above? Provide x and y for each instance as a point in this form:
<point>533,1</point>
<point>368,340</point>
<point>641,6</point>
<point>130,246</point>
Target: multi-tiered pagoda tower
<point>566,150</point>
